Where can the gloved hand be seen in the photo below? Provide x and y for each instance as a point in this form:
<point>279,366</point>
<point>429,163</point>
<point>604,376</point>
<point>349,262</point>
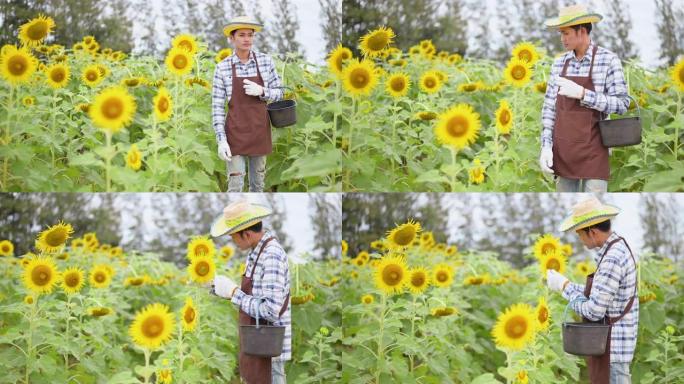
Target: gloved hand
<point>546,160</point>
<point>570,89</point>
<point>223,286</point>
<point>224,151</point>
<point>252,88</point>
<point>555,280</point>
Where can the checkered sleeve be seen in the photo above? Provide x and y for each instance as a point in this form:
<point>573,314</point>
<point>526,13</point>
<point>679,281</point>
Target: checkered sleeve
<point>615,99</point>
<point>218,104</point>
<point>549,108</point>
<point>604,288</point>
<point>272,83</point>
<point>272,286</point>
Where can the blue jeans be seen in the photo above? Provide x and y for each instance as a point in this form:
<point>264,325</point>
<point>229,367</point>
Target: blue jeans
<point>236,173</point>
<point>581,185</point>
<point>278,372</point>
<point>619,373</point>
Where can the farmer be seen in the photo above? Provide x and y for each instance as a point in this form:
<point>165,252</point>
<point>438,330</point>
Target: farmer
<point>246,133</point>
<point>586,84</point>
<point>609,294</point>
<point>265,286</point>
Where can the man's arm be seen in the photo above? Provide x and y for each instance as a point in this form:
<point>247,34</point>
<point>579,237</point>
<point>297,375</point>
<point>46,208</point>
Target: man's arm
<point>548,116</point>
<point>604,287</point>
<point>272,83</point>
<point>616,98</point>
<point>218,104</point>
<point>274,282</point>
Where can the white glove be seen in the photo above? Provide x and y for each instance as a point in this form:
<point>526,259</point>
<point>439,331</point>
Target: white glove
<point>252,88</point>
<point>223,286</point>
<point>570,89</point>
<point>555,280</point>
<point>224,151</point>
<point>546,160</point>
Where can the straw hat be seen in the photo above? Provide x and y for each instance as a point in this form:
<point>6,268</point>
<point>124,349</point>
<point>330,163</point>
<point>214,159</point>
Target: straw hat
<point>573,15</point>
<point>242,22</point>
<point>238,216</point>
<point>587,213</point>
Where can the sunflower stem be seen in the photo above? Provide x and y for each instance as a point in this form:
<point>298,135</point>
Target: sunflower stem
<point>66,333</point>
<point>381,349</point>
<point>5,166</point>
<point>413,331</point>
<point>453,165</point>
<point>155,138</point>
<point>508,365</point>
<point>53,115</point>
<point>334,132</point>
<point>181,357</point>
<point>352,121</point>
<point>29,341</point>
<point>108,160</point>
<point>146,375</point>
<point>676,138</point>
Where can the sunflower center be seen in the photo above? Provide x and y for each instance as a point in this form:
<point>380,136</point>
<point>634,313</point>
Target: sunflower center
<point>133,156</point>
<point>430,82</point>
<point>360,78</point>
<point>41,275</point>
<point>72,280</point>
<point>543,315</point>
<point>457,126</point>
<point>516,327</point>
<point>518,72</point>
<point>163,105</point>
<point>58,75</point>
<point>91,75</point>
<point>418,279</point>
<point>186,45</point>
<point>18,65</point>
<point>56,237</point>
<point>547,248</point>
<point>153,326</point>
<point>37,31</point>
<point>189,315</point>
<point>112,108</point>
<point>180,62</point>
<point>392,274</point>
<point>5,248</point>
<point>378,41</point>
<point>681,75</point>
<point>442,276</point>
<point>477,172</point>
<point>553,264</point>
<point>202,268</point>
<point>525,55</point>
<point>201,249</point>
<point>100,277</point>
<point>505,117</point>
<point>398,84</point>
<point>405,236</point>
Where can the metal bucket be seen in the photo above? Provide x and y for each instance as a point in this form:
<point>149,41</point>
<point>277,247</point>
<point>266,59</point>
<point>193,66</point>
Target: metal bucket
<point>282,113</point>
<point>262,340</point>
<point>584,339</point>
<point>621,132</point>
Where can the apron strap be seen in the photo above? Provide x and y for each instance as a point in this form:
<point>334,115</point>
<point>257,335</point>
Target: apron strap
<point>259,255</point>
<point>613,320</point>
<point>593,56</point>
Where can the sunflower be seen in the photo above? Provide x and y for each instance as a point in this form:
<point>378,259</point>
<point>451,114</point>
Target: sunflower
<point>367,299</point>
<point>345,247</point>
<point>112,109</point>
<point>53,239</point>
<point>359,77</point>
<point>164,376</point>
<point>179,61</point>
<point>152,327</point>
<point>583,268</point>
<point>546,244</point>
<point>92,75</point>
<point>458,127</point>
<point>521,377</point>
<point>375,42</point>
<point>429,82</point>
<point>360,261</point>
<point>442,275</point>
<point>391,274</point>
<point>6,248</point>
<point>202,269</point>
<point>189,315</point>
<point>515,327</point>
<point>134,158</point>
<point>678,75</point>
<point>426,115</point>
<point>414,51</point>
<point>476,174</point>
<point>504,118</point>
<point>72,280</point>
<point>401,63</point>
<point>28,101</point>
<point>58,75</point>
<point>40,275</point>
<point>99,311</point>
<point>185,41</point>
<point>398,84</point>
<point>518,73</point>
<point>418,280</point>
<point>454,59</point>
<point>471,87</point>
<point>566,249</point>
<point>134,281</point>
<point>200,246</point>
<point>222,54</point>
<point>17,65</point>
<point>542,314</point>
<point>337,59</point>
<point>226,252</point>
<point>28,300</point>
<point>36,30</point>
<point>555,261</point>
<point>163,106</point>
<point>403,234</point>
<point>443,311</point>
<point>526,52</point>
<point>540,87</point>
<point>100,277</point>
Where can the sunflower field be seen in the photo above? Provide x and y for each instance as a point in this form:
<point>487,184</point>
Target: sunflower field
<point>421,311</point>
<point>423,120</point>
<point>81,311</point>
<point>87,118</point>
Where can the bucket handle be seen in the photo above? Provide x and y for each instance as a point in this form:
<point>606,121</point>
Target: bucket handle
<point>285,87</point>
<point>635,103</point>
<point>260,300</point>
<point>578,298</point>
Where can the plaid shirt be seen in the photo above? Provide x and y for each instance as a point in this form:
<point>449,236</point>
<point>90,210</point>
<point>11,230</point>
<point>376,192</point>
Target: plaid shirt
<point>271,281</point>
<point>610,89</point>
<point>613,286</point>
<point>222,87</point>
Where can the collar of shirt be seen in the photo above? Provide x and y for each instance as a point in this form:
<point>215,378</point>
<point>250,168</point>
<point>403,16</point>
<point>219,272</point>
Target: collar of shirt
<point>234,59</point>
<point>603,248</point>
<point>255,251</point>
<point>587,55</point>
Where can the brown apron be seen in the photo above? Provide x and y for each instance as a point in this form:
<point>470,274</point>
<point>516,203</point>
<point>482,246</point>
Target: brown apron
<point>253,369</point>
<point>248,128</point>
<point>599,366</point>
<point>578,152</point>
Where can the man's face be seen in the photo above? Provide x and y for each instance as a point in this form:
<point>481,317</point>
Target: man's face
<point>241,240</point>
<point>242,39</point>
<point>587,238</point>
<point>570,38</point>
